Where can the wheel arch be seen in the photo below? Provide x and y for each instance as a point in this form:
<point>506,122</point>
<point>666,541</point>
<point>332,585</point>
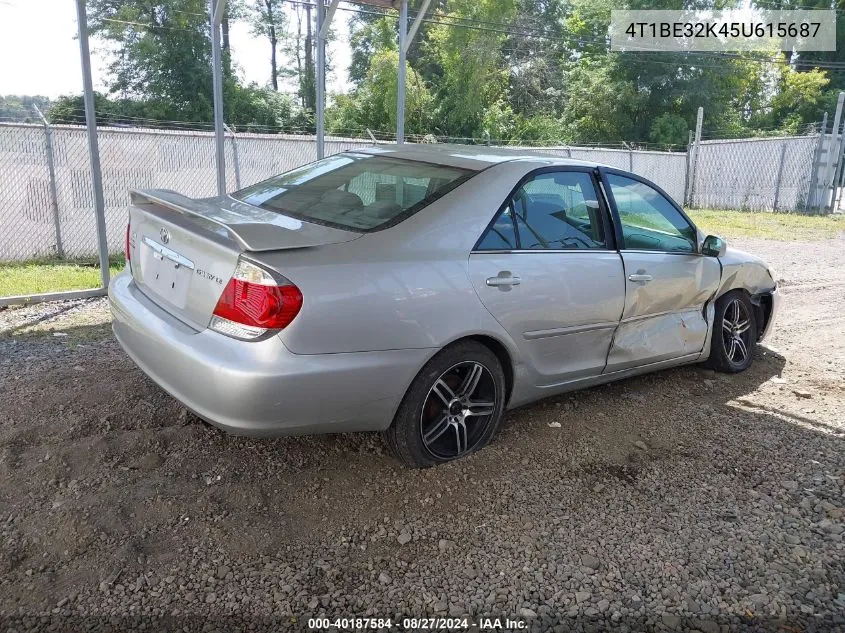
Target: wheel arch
<point>495,345</point>
<point>501,352</point>
<point>761,302</point>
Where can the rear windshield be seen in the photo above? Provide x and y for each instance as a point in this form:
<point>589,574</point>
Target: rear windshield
<point>359,192</point>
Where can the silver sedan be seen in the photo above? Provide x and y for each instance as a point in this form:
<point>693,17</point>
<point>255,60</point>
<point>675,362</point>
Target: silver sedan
<point>421,291</point>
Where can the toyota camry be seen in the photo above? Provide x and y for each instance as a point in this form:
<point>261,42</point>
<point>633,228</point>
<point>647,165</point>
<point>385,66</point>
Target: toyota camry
<point>423,290</point>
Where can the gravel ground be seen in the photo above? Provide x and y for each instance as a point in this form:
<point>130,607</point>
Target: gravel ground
<point>683,500</point>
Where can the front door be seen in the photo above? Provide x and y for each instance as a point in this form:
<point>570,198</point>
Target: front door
<point>546,270</point>
<point>668,284</point>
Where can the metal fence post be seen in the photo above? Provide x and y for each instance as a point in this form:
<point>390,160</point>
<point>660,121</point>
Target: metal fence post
<point>400,88</point>
<point>814,173</point>
<point>687,180</point>
<point>51,168</point>
<point>320,80</point>
<point>835,176</point>
<point>215,15</point>
<point>833,154</point>
<point>841,180</point>
<point>234,156</point>
<point>779,177</point>
<point>699,121</point>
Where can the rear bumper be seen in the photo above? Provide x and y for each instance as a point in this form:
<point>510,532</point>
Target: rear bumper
<point>260,388</point>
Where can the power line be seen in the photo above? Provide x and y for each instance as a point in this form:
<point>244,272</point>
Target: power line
<point>148,26</point>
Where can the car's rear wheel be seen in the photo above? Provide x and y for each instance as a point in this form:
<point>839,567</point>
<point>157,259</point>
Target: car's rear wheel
<point>452,408</point>
<point>734,333</point>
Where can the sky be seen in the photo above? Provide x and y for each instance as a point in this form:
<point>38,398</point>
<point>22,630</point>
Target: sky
<point>39,52</point>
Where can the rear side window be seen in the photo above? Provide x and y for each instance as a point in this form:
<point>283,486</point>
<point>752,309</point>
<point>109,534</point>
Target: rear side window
<point>358,192</point>
<point>502,235</point>
<point>552,211</point>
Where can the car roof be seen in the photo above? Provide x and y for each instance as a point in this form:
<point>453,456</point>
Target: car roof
<point>475,157</point>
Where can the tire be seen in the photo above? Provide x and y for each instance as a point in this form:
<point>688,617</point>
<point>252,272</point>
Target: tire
<point>731,346</point>
<point>453,407</point>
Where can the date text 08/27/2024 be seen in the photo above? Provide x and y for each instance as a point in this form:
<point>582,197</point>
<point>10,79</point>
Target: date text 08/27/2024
<point>417,624</point>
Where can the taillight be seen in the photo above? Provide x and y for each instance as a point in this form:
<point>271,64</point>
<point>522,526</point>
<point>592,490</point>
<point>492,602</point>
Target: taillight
<point>254,302</point>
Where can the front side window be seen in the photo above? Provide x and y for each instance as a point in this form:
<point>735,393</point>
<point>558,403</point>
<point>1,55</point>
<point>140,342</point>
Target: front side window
<point>649,221</point>
<point>552,211</point>
<point>358,192</point>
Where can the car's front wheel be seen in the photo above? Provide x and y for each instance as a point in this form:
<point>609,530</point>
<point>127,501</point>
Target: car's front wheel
<point>734,333</point>
<point>452,408</point>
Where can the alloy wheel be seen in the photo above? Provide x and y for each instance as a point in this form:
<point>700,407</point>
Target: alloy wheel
<point>736,332</point>
<point>458,410</point>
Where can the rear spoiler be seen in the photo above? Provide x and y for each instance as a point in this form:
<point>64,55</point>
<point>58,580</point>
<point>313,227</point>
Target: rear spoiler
<point>251,228</point>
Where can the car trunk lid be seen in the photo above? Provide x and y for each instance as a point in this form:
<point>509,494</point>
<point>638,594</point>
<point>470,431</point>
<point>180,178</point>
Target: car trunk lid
<point>183,251</point>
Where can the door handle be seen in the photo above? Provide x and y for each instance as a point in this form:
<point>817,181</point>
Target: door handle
<point>504,279</point>
<point>643,277</point>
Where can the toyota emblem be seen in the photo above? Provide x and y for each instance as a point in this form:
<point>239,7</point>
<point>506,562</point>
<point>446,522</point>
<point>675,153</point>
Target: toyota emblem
<point>164,235</point>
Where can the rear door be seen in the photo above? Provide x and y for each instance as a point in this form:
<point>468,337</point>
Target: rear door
<point>667,282</point>
<point>547,270</point>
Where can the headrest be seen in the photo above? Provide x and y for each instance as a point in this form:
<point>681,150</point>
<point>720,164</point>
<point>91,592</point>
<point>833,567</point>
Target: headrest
<point>340,198</point>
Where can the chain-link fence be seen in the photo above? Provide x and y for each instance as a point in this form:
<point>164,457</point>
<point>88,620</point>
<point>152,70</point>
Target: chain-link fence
<point>765,174</point>
<point>28,219</point>
<point>39,225</point>
<point>47,198</point>
<point>666,169</point>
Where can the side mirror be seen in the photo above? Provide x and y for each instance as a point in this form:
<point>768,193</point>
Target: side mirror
<point>713,246</point>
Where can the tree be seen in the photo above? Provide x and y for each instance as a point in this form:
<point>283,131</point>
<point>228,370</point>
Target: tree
<point>369,35</point>
<point>627,92</point>
<point>470,76</point>
<point>269,20</point>
<point>800,98</point>
<point>373,104</point>
<point>533,55</point>
<point>669,129</point>
<point>20,107</point>
<point>163,52</point>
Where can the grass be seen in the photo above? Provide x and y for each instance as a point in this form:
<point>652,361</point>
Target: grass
<point>39,276</point>
<point>771,226</point>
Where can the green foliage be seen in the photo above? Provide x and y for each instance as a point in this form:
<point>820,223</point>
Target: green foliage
<point>601,105</point>
<point>20,108</point>
<point>373,105</point>
<point>162,69</point>
<point>471,77</point>
<point>248,108</point>
<point>669,129</point>
<point>163,53</point>
<point>800,98</point>
<point>527,70</point>
<point>375,35</point>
